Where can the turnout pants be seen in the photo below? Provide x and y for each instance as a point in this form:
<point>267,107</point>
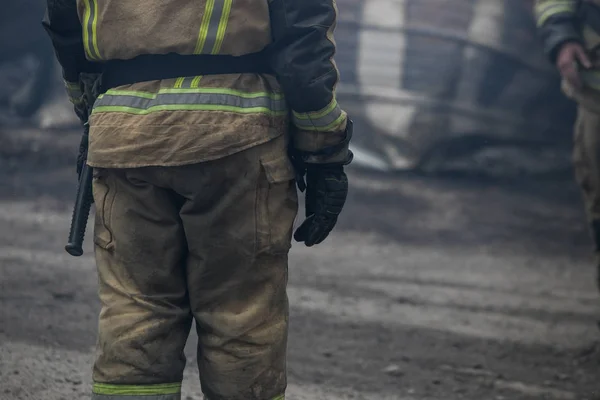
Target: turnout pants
<point>586,159</point>
<point>205,244</point>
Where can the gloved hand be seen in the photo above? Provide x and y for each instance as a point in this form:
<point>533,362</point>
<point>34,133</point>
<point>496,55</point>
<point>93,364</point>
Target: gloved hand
<point>326,191</point>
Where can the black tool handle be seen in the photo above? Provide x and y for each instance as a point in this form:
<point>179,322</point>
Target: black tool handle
<point>81,211</point>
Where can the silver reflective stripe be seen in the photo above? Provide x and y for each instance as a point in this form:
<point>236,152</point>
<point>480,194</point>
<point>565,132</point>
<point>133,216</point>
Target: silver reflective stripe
<point>213,26</point>
<point>189,82</point>
<point>136,397</point>
<point>190,99</point>
<point>320,120</point>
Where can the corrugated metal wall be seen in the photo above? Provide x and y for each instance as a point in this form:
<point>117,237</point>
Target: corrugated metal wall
<point>418,73</point>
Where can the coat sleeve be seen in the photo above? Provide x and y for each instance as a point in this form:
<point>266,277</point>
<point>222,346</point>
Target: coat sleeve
<point>303,60</point>
<point>557,22</point>
<point>62,24</point>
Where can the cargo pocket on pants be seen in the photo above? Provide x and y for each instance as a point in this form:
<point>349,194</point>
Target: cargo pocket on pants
<point>104,196</point>
<point>276,206</point>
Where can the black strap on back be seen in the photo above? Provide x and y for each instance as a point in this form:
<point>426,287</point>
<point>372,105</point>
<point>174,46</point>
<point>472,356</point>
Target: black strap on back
<point>152,67</point>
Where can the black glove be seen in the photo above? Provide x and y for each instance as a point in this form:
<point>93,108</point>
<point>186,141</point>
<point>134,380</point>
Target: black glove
<point>326,192</point>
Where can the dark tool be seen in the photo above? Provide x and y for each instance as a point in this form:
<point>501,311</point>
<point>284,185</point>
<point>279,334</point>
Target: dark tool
<point>83,203</point>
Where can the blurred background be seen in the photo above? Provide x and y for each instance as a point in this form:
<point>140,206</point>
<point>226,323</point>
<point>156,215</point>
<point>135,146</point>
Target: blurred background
<point>461,268</point>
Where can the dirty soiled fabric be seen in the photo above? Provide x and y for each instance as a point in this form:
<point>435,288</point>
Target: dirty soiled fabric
<point>185,121</point>
<point>116,29</point>
<point>206,242</point>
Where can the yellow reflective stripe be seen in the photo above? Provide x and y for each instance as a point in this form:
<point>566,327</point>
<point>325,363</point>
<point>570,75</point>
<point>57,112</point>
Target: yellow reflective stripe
<point>179,82</point>
<point>74,92</point>
<point>188,107</point>
<point>86,33</point>
<point>213,26</point>
<point>222,26</point>
<point>324,128</point>
<point>149,95</point>
<point>317,114</point>
<point>548,9</point>
<point>327,119</point>
<point>201,99</point>
<point>195,82</point>
<point>187,82</point>
<point>202,35</point>
<point>95,28</point>
<point>90,22</point>
<point>136,390</point>
<point>113,92</point>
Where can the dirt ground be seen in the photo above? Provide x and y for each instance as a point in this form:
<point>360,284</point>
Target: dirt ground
<point>436,288</point>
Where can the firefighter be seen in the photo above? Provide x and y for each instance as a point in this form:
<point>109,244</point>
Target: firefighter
<point>208,114</point>
<point>571,35</point>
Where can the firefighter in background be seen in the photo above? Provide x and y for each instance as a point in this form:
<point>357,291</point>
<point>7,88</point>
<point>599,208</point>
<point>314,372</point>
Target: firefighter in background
<point>571,33</point>
<point>195,192</point>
